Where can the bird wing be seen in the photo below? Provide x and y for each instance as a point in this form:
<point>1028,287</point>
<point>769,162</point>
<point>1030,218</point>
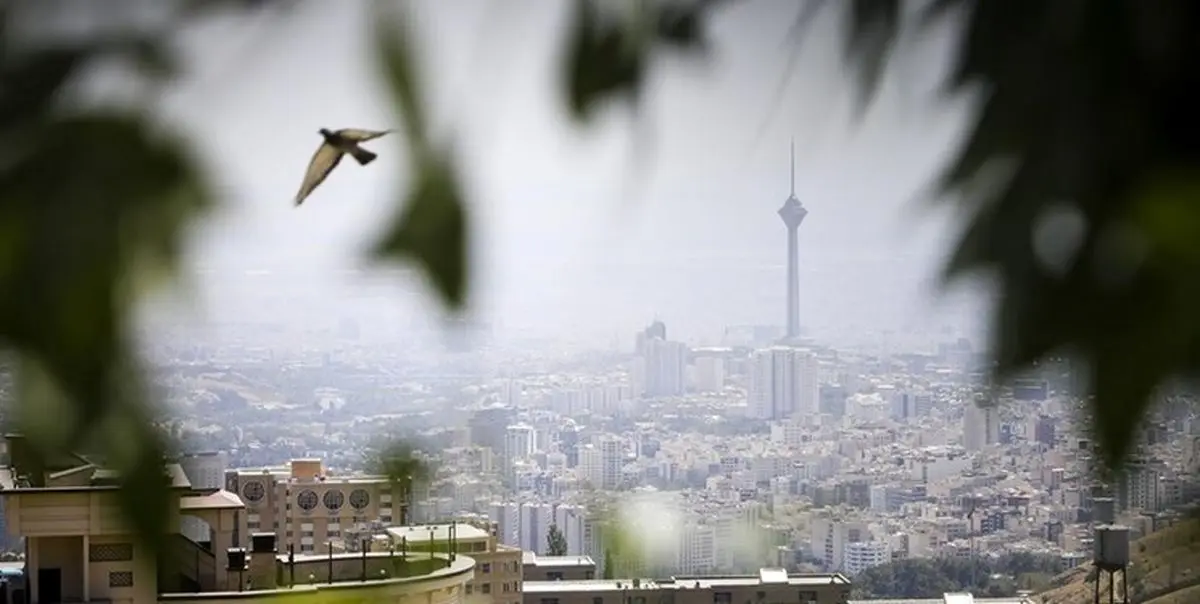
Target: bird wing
<point>323,162</point>
<point>359,136</point>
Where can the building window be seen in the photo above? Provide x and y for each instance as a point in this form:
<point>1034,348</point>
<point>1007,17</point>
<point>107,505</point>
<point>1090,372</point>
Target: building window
<point>589,575</point>
<point>597,600</point>
<point>486,588</point>
<point>506,587</point>
<point>722,597</point>
<point>486,567</point>
<point>470,588</point>
<point>120,578</point>
<point>549,601</point>
<point>110,552</point>
<point>554,576</point>
<point>808,596</point>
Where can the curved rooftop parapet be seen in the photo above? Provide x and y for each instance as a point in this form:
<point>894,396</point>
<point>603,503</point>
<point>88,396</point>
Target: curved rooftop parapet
<point>444,584</point>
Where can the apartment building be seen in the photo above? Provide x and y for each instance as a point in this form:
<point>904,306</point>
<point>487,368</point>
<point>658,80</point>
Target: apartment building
<point>79,549</point>
<point>769,586</point>
<point>557,568</point>
<point>311,511</point>
<point>498,569</point>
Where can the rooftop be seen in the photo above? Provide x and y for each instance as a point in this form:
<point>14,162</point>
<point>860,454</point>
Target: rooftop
<point>220,500</point>
<point>766,576</point>
<point>437,532</point>
<point>531,558</point>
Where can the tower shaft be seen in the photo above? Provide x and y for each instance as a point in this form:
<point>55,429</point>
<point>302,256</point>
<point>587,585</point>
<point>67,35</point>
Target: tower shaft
<point>793,284</point>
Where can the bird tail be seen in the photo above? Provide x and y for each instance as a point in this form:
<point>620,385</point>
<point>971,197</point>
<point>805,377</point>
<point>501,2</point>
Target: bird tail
<point>362,156</point>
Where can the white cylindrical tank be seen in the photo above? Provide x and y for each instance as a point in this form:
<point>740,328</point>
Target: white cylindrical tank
<point>1111,546</point>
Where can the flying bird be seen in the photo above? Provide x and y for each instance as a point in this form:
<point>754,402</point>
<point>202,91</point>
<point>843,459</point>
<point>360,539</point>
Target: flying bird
<point>337,143</point>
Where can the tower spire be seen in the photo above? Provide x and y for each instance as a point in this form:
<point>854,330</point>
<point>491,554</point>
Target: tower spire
<point>793,184</point>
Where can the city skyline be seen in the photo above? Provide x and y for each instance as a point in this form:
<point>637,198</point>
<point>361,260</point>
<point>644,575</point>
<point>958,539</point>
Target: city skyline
<point>570,238</point>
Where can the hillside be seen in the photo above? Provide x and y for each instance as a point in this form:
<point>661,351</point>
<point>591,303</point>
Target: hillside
<point>1165,569</point>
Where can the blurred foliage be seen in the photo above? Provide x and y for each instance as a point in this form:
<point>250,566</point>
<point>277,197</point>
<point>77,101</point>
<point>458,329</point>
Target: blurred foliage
<point>431,228</point>
<point>407,470</point>
<point>556,541</point>
<point>92,202</point>
<point>1084,145</point>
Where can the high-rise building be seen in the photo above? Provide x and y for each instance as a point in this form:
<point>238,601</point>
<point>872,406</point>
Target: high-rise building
<point>519,445</point>
<point>656,330</point>
<point>793,214</point>
<point>570,520</point>
<point>1044,431</point>
<point>510,393</point>
<point>665,365</point>
<point>981,426</point>
<point>600,462</point>
<point>783,383</point>
<point>710,374</point>
<point>487,427</point>
<point>536,519</point>
<point>568,443</point>
<point>519,441</point>
<point>506,516</point>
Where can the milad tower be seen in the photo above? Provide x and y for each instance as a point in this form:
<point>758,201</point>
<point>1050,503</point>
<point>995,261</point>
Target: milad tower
<point>793,214</point>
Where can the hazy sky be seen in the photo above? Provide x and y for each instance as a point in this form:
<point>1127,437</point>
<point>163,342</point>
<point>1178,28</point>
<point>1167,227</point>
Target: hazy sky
<point>568,242</point>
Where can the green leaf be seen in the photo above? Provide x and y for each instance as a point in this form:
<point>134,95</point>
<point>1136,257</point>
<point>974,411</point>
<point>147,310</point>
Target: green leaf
<point>598,62</point>
<point>151,56</point>
<point>137,452</point>
<point>397,58</point>
<point>681,24</point>
<point>29,83</point>
<point>83,209</point>
<point>432,231</point>
<point>871,32</point>
<point>193,8</point>
<point>606,58</point>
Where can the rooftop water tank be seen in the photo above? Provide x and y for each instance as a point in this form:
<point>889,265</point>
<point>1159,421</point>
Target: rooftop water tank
<point>1111,547</point>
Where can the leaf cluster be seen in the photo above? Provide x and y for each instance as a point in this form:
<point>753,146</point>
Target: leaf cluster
<point>1079,178</point>
<point>93,202</point>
